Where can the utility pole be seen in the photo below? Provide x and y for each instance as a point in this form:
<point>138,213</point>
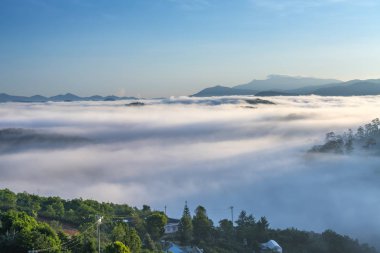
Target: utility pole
<point>98,222</point>
<point>232,215</point>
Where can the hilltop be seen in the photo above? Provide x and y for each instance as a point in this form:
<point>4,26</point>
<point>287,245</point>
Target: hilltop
<point>30,221</point>
<point>278,85</point>
<point>68,97</point>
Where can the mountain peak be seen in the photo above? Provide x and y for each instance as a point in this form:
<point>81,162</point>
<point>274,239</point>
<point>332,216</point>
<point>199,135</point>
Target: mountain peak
<point>222,91</point>
<point>284,82</point>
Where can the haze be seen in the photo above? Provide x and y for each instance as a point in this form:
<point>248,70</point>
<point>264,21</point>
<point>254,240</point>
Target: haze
<point>211,151</point>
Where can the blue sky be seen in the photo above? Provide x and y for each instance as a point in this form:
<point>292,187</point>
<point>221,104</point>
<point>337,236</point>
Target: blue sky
<point>175,47</point>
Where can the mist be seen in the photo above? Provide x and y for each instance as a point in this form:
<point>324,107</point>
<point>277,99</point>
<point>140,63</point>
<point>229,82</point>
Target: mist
<point>218,152</point>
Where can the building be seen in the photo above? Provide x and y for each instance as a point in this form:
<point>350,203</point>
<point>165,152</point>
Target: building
<point>174,248</point>
<point>271,246</point>
<point>171,228</point>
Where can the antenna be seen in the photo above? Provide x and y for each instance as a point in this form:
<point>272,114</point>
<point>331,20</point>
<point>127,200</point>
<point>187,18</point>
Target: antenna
<point>232,215</point>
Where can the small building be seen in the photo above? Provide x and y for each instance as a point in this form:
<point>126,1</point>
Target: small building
<point>271,246</point>
<point>171,228</point>
<point>174,248</point>
<point>128,220</point>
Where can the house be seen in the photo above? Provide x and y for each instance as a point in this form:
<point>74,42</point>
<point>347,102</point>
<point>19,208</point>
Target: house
<point>174,248</point>
<point>128,220</point>
<point>172,226</point>
<point>271,246</point>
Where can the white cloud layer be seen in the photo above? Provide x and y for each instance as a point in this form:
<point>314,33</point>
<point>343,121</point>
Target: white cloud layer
<point>210,151</point>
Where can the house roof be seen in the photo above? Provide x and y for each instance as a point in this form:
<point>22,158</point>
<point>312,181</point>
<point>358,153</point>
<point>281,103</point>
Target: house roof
<point>271,244</point>
<point>172,220</point>
<point>178,249</point>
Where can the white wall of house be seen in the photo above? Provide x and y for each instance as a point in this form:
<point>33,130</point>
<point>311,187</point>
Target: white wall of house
<point>171,228</point>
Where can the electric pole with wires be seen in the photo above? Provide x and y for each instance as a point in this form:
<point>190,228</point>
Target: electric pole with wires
<point>98,222</point>
<point>232,215</point>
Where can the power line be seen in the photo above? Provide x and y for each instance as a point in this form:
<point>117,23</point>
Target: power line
<point>63,245</point>
<point>76,240</point>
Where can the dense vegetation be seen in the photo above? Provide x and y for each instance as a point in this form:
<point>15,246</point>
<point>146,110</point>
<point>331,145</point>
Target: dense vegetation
<point>248,234</point>
<point>32,222</point>
<point>365,138</point>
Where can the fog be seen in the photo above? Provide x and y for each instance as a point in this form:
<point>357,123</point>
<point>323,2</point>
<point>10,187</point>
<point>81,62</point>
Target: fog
<point>218,152</point>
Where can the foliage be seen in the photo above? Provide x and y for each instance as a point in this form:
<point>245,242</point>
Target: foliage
<point>185,227</point>
<point>149,243</point>
<point>366,137</point>
<point>21,229</point>
<point>117,247</point>
<point>128,236</point>
<point>155,224</point>
<point>7,199</point>
<point>79,214</point>
<point>20,232</point>
<point>202,226</point>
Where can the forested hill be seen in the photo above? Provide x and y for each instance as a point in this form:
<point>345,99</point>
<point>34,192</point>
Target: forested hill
<point>51,224</point>
<point>366,138</point>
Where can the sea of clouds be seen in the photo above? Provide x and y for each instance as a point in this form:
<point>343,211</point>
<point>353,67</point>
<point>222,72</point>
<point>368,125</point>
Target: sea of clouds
<point>217,152</point>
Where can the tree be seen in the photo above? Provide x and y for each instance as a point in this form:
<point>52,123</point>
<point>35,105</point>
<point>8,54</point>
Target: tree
<point>7,199</point>
<point>119,232</point>
<point>20,232</point>
<point>246,229</point>
<point>376,125</point>
<point>226,229</point>
<point>87,245</point>
<point>134,241</point>
<point>146,209</point>
<point>139,224</point>
<point>262,229</point>
<point>349,142</point>
<point>202,226</point>
<point>245,220</point>
<point>117,247</point>
<point>149,243</point>
<point>330,136</point>
<point>128,236</point>
<point>156,224</point>
<point>263,224</point>
<point>226,234</point>
<point>360,133</point>
<point>59,209</point>
<point>28,203</point>
<point>335,242</point>
<point>185,226</point>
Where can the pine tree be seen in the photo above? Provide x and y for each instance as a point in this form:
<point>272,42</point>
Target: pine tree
<point>202,225</point>
<point>185,226</point>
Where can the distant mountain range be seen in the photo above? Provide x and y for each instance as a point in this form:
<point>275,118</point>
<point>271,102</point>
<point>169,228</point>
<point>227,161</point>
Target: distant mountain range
<point>223,91</point>
<point>282,83</point>
<point>278,85</point>
<point>274,85</point>
<point>59,98</point>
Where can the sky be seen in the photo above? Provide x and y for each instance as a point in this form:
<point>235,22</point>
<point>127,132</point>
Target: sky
<point>154,48</point>
<point>215,152</point>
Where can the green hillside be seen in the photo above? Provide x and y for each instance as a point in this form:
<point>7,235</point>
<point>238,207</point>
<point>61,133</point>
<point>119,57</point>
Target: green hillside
<point>51,224</point>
